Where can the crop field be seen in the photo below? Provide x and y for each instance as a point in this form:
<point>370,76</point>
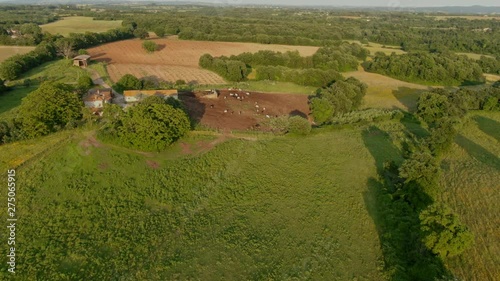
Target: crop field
<point>492,77</point>
<point>235,110</point>
<point>175,59</point>
<point>472,181</point>
<point>387,92</point>
<point>9,51</point>
<point>79,25</point>
<point>244,209</point>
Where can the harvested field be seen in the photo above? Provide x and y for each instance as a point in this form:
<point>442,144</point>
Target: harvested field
<point>175,59</point>
<point>227,112</point>
<point>9,51</point>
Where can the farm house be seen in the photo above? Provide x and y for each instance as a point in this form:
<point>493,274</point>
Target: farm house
<point>138,95</point>
<point>96,98</point>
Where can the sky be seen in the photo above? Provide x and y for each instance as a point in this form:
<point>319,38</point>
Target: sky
<point>378,3</point>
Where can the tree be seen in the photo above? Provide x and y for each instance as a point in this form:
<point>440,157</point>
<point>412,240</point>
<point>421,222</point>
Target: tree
<point>9,70</point>
<point>152,127</point>
<point>149,46</point>
<point>442,232</point>
<point>84,84</point>
<point>322,110</point>
<point>141,33</point>
<point>51,107</point>
<point>299,125</point>
<point>128,82</point>
<point>3,88</point>
<point>64,47</point>
<point>153,100</point>
<point>83,52</point>
<point>431,107</point>
<point>160,31</point>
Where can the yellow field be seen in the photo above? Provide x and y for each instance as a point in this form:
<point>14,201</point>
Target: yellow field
<point>79,25</point>
<point>492,77</point>
<point>9,51</point>
<point>474,56</point>
<point>485,17</point>
<point>386,92</point>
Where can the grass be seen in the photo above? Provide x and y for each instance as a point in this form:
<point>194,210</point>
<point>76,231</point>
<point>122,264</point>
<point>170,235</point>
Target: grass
<point>8,51</point>
<point>60,70</point>
<point>266,86</point>
<point>100,67</point>
<point>13,98</point>
<point>474,56</point>
<point>472,183</point>
<point>79,25</point>
<point>246,209</point>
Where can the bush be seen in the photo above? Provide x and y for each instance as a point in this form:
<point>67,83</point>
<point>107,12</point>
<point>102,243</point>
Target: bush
<point>128,82</point>
<point>149,46</point>
<point>299,125</point>
<point>279,125</point>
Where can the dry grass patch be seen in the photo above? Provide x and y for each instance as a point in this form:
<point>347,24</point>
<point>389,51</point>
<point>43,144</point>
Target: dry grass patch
<point>9,51</point>
<point>79,25</point>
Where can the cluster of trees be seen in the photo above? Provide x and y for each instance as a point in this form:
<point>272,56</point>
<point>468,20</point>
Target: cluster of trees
<point>297,125</point>
<point>50,108</point>
<point>232,70</point>
<point>428,68</point>
<point>341,97</point>
<point>341,56</point>
<point>305,77</point>
<point>489,64</point>
<point>14,66</point>
<point>130,82</point>
<point>151,125</point>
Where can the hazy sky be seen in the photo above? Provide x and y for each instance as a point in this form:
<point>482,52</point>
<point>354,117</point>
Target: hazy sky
<point>379,3</point>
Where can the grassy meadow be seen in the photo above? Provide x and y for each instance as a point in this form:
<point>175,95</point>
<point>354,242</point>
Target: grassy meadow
<point>79,25</point>
<point>285,208</point>
<point>472,183</point>
<point>9,51</point>
<point>266,86</point>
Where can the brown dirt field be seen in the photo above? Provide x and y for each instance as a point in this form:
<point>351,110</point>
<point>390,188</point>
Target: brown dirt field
<point>243,114</point>
<point>176,59</point>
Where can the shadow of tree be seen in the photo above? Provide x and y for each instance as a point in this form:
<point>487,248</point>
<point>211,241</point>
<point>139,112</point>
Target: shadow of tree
<point>396,220</point>
<point>297,112</point>
<point>488,126</point>
<point>408,97</point>
<point>194,107</point>
<point>478,152</point>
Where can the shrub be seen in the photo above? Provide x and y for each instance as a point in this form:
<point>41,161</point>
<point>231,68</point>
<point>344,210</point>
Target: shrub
<point>299,125</point>
<point>149,46</point>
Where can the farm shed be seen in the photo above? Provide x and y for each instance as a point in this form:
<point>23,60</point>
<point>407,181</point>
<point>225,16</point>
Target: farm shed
<point>81,60</point>
<point>96,98</point>
<point>138,95</point>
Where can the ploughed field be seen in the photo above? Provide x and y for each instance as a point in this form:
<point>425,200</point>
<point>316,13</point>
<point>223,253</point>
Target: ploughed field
<point>243,110</point>
<point>176,59</point>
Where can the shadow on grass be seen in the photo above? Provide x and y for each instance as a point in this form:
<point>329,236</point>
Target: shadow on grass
<point>396,220</point>
<point>488,126</point>
<point>407,96</point>
<point>478,152</point>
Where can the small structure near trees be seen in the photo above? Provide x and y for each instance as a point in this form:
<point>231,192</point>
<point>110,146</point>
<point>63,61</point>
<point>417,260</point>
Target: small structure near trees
<point>138,95</point>
<point>81,60</point>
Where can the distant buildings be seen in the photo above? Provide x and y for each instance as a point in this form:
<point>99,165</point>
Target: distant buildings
<point>96,98</point>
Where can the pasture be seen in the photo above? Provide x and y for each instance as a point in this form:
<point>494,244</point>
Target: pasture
<point>387,92</point>
<point>472,182</point>
<point>79,25</point>
<point>9,51</point>
<point>175,59</point>
<point>376,47</point>
<point>297,214</point>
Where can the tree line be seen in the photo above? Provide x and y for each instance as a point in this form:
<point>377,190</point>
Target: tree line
<point>427,68</point>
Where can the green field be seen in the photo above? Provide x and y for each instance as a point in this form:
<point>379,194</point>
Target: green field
<point>234,211</point>
<point>266,86</point>
<point>9,51</point>
<point>12,98</point>
<point>472,183</point>
<point>61,71</point>
<point>79,25</point>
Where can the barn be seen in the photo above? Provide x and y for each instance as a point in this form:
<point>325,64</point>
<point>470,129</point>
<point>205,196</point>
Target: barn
<point>138,95</point>
<point>81,60</point>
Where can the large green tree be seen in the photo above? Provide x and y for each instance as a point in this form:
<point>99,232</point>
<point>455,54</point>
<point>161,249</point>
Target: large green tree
<point>51,107</point>
<point>443,233</point>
